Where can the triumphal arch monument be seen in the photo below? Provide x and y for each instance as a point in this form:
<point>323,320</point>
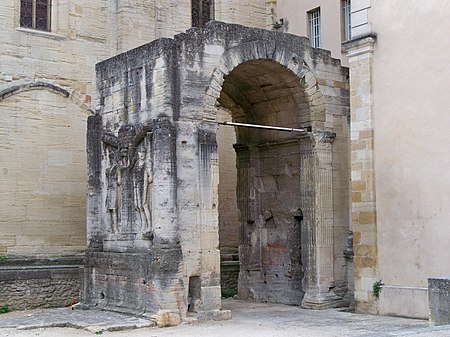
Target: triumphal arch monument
<point>153,229</point>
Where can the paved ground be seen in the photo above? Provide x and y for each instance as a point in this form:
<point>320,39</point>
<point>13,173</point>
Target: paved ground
<point>249,319</point>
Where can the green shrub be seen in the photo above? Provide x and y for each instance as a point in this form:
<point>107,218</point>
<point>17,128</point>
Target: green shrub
<point>376,288</point>
<point>4,309</point>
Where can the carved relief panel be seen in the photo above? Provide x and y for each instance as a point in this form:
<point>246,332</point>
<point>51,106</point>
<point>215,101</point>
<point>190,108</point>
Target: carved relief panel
<point>129,180</point>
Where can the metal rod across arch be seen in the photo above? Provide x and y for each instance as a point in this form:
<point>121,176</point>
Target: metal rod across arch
<point>266,127</point>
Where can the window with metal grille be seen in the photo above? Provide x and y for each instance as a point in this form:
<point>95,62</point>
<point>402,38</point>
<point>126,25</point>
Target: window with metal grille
<point>346,7</point>
<point>202,11</point>
<point>315,34</point>
<point>35,14</point>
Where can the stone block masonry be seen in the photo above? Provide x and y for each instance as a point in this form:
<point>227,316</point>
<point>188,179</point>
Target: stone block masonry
<point>44,283</point>
<point>363,193</point>
<point>153,212</point>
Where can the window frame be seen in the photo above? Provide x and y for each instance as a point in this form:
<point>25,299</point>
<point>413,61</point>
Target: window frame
<point>346,20</point>
<point>35,14</point>
<point>199,20</point>
<point>315,27</point>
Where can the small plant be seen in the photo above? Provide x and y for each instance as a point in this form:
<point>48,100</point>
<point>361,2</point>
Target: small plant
<point>376,288</point>
<point>2,258</point>
<point>98,332</point>
<point>4,309</point>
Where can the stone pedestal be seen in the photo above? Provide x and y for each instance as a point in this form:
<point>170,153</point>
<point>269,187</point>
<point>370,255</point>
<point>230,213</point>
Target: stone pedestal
<point>439,300</point>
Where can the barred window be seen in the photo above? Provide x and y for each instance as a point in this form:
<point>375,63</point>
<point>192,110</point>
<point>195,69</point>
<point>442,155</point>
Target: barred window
<point>202,11</point>
<point>35,14</point>
<point>315,34</point>
<point>347,19</point>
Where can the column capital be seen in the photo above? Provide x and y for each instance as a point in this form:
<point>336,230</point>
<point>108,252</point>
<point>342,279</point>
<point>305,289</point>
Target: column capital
<point>322,139</point>
<point>323,136</point>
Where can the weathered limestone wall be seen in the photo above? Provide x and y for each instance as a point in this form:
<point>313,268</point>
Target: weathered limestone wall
<point>45,85</point>
<point>66,55</point>
<point>40,283</point>
<point>43,174</point>
<point>138,22</point>
<point>252,13</point>
<point>411,155</point>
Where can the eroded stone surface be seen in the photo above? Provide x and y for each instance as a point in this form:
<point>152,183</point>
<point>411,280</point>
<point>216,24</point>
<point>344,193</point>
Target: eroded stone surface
<point>439,300</point>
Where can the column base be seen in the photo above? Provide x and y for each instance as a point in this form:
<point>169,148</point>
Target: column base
<point>321,300</point>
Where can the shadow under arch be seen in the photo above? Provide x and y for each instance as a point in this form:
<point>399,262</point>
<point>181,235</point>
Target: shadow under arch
<point>288,68</point>
<point>268,179</point>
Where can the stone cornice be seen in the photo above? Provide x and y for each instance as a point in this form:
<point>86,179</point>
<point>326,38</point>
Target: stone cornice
<point>360,45</point>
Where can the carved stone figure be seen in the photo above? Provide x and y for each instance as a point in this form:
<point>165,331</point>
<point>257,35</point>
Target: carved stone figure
<point>113,194</point>
<point>129,175</point>
<point>142,188</point>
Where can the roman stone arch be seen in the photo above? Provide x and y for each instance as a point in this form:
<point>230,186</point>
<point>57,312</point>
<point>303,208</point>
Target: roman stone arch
<point>269,51</point>
<point>17,87</point>
<point>165,96</point>
<point>264,265</point>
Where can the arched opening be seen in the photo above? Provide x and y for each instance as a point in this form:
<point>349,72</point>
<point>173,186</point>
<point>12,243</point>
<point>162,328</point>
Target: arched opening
<point>267,187</point>
<point>44,174</point>
<point>43,165</point>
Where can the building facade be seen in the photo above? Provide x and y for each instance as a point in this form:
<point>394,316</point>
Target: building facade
<point>400,187</point>
<point>397,207</point>
<point>47,75</point>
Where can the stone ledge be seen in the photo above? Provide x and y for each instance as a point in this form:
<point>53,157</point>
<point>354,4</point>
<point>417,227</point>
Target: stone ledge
<point>41,33</point>
<point>27,283</point>
<point>403,301</point>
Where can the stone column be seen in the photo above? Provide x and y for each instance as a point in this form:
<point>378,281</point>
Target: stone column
<point>317,227</point>
<point>364,218</point>
<point>165,179</point>
<point>94,228</point>
<point>209,290</point>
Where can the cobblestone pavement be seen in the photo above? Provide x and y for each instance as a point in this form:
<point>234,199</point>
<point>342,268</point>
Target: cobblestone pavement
<point>249,319</point>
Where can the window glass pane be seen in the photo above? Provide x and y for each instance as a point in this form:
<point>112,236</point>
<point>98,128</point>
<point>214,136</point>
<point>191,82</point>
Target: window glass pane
<point>26,13</point>
<point>195,13</point>
<point>347,20</point>
<point>42,15</point>
<point>206,11</point>
<point>314,22</point>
